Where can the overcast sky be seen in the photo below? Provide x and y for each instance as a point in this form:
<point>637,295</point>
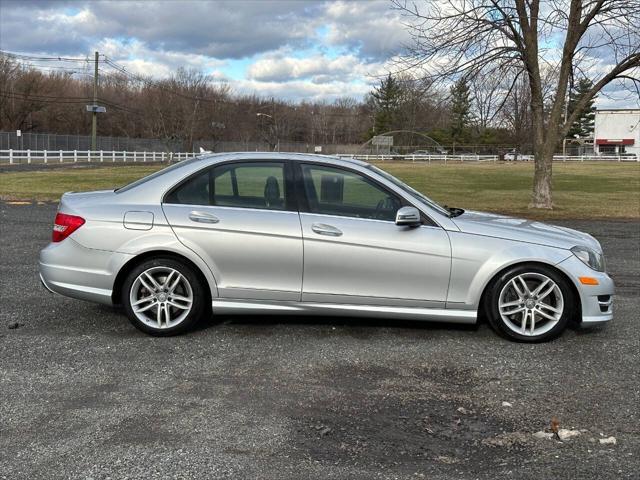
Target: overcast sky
<point>293,49</point>
<point>288,48</point>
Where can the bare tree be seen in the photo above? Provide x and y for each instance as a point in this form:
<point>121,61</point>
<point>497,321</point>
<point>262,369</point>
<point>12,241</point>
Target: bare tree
<point>488,97</point>
<point>558,39</point>
<point>516,113</point>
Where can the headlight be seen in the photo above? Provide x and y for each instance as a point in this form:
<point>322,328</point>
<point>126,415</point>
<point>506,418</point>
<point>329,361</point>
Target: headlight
<point>590,257</point>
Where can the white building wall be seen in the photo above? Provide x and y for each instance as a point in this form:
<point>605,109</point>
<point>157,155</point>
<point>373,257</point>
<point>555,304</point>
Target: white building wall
<point>614,126</point>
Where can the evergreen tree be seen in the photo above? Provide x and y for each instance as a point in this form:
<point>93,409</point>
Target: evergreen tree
<point>386,99</point>
<point>583,126</point>
<point>460,110</point>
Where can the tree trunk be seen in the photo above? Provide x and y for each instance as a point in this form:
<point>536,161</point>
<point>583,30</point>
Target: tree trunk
<point>543,150</point>
<point>541,197</point>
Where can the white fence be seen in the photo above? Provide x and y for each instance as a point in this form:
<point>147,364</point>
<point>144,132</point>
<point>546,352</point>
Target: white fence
<point>490,158</point>
<point>97,156</point>
<point>423,158</point>
<point>114,156</point>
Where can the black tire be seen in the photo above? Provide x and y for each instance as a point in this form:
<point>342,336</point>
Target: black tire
<point>500,325</point>
<point>199,294</point>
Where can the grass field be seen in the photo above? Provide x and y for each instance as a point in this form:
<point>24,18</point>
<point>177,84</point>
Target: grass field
<point>581,191</point>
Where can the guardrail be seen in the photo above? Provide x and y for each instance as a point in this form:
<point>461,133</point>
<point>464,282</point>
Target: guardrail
<point>97,156</point>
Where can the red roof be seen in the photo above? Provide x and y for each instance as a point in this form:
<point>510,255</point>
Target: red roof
<point>614,141</point>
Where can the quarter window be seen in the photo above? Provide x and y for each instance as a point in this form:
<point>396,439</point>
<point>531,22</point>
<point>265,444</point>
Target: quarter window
<point>248,185</point>
<point>333,191</point>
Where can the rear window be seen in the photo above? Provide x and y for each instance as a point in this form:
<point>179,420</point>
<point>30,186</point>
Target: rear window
<point>157,174</point>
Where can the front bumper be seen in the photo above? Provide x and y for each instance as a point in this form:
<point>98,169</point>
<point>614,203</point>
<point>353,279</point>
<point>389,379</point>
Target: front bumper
<point>69,269</point>
<point>596,300</point>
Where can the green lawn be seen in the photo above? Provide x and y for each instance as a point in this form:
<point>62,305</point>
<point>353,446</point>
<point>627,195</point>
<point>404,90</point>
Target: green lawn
<point>581,190</point>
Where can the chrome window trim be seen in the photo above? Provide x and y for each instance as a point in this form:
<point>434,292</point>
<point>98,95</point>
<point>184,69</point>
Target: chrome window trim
<point>289,197</point>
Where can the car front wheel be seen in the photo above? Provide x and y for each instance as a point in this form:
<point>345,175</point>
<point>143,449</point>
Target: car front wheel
<point>163,297</point>
<point>530,304</point>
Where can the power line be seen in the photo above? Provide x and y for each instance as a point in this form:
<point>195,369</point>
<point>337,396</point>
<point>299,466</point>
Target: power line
<point>65,100</point>
<point>121,69</point>
<point>43,58</point>
<point>42,100</point>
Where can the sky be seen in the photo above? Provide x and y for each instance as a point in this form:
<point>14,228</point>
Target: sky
<point>290,49</point>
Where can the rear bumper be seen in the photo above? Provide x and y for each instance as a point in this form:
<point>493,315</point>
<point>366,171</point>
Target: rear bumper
<point>69,269</point>
<point>596,300</point>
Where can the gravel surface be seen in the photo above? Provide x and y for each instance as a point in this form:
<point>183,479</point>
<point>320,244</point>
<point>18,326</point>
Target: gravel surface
<point>85,395</point>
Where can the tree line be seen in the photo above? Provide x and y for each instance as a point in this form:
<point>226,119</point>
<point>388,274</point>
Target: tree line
<point>188,107</point>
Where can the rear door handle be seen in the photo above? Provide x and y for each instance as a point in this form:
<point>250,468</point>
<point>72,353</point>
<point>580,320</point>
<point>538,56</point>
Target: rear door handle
<point>324,229</point>
<point>203,217</point>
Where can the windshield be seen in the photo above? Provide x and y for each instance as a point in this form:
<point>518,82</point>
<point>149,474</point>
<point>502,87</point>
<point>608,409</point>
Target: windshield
<point>142,180</point>
<point>411,191</point>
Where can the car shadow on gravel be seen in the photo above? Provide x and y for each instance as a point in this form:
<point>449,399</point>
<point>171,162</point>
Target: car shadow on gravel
<point>255,322</point>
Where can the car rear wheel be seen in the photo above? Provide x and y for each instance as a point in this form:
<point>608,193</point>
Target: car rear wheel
<point>163,297</point>
<point>530,304</point>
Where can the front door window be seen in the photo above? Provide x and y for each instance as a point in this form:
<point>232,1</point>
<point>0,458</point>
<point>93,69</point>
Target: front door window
<point>333,191</point>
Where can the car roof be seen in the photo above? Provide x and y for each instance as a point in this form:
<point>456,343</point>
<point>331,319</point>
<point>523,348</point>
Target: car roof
<point>295,156</point>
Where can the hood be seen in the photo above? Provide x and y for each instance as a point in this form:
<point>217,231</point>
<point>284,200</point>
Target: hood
<point>522,230</point>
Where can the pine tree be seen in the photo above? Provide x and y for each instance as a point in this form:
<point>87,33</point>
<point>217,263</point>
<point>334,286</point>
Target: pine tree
<point>583,126</point>
<point>460,110</point>
<point>386,99</point>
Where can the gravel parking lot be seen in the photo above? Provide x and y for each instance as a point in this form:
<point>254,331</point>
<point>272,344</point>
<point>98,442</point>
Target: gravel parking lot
<point>85,395</point>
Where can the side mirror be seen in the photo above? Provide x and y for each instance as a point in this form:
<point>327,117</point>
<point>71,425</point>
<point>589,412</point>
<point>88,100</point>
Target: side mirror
<point>408,217</point>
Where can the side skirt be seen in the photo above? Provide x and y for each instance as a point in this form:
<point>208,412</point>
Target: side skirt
<point>265,307</point>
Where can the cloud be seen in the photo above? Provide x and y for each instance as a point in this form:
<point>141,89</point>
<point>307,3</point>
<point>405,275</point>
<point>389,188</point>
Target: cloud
<point>222,29</point>
<point>372,28</point>
<point>140,59</point>
<point>302,90</point>
<point>319,67</point>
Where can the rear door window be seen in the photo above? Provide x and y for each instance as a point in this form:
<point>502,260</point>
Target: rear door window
<point>259,185</point>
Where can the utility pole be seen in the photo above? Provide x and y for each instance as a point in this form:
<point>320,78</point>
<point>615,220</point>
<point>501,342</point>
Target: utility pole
<point>94,117</point>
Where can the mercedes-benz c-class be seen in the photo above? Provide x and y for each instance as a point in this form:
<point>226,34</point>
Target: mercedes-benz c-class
<point>275,233</point>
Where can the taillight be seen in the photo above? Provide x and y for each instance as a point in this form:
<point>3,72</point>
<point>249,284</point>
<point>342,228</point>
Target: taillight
<point>64,225</point>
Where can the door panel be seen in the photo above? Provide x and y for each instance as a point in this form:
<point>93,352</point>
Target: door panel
<point>374,262</point>
<point>241,218</point>
<point>252,253</point>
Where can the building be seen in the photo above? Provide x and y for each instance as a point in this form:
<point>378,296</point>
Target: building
<point>617,132</point>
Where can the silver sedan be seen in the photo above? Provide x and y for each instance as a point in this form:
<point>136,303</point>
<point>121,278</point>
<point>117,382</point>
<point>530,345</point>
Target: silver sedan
<point>266,233</point>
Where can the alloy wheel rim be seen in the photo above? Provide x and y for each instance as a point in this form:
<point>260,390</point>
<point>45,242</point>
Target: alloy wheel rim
<point>531,304</point>
<point>161,297</point>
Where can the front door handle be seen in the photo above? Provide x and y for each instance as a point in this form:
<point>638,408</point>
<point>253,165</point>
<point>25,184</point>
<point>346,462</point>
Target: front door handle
<point>203,217</point>
<point>324,229</point>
